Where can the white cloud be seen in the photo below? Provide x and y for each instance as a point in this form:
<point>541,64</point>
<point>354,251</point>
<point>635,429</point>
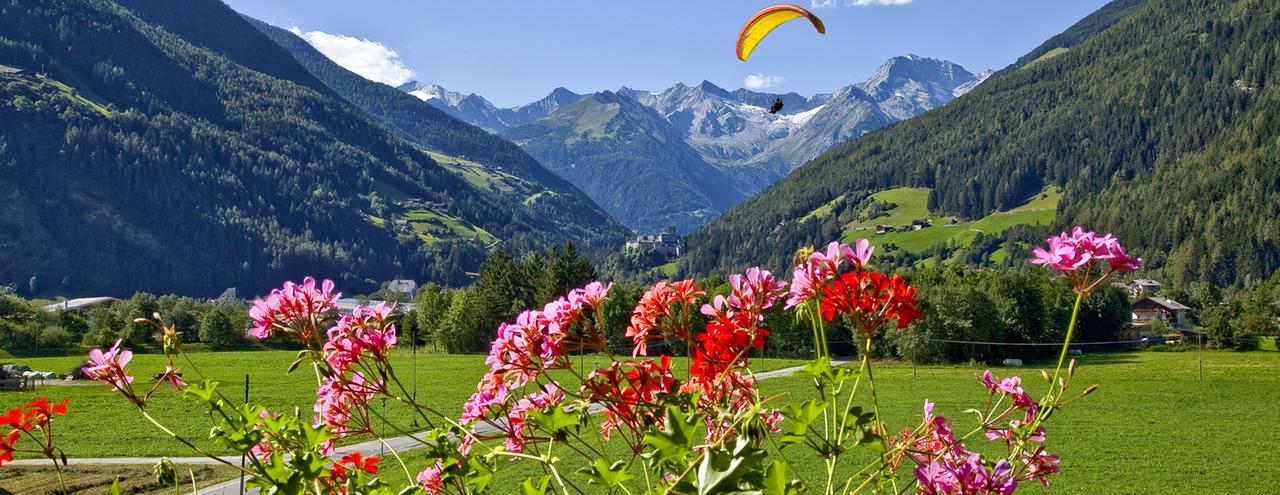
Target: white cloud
<point>761,81</point>
<point>822,4</point>
<point>371,59</point>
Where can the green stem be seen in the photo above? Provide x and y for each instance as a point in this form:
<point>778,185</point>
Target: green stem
<point>1071,329</point>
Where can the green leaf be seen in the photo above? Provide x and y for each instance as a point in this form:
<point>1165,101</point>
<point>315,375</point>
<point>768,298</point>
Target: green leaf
<point>776,482</point>
<point>555,418</point>
<point>676,439</point>
<point>602,473</point>
<point>200,392</point>
<point>528,488</point>
<point>480,476</point>
<point>731,471</point>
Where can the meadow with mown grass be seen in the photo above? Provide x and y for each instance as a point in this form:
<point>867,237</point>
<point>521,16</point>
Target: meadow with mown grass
<point>1153,426</point>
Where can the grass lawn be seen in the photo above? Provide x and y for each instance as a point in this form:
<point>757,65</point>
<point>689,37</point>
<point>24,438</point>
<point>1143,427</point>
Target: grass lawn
<point>1152,427</point>
<point>103,424</point>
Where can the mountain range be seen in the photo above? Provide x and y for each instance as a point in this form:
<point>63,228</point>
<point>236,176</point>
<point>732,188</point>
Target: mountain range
<point>1156,118</point>
<point>736,144</point>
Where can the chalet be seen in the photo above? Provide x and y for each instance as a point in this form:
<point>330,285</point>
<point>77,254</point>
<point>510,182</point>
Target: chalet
<point>1141,286</point>
<point>884,229</point>
<point>920,223</point>
<point>668,243</point>
<point>1152,309</point>
<point>80,304</point>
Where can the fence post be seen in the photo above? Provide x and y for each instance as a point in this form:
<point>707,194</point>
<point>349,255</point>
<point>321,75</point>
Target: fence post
<point>242,458</point>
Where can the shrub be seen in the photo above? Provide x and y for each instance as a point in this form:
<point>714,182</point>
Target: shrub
<point>217,331</point>
<point>53,337</point>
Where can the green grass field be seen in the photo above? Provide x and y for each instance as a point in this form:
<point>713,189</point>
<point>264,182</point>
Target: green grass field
<point>1153,426</point>
<point>102,424</point>
<point>912,204</point>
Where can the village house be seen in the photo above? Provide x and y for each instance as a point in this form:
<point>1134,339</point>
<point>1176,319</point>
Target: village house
<point>1141,286</point>
<point>884,229</point>
<point>667,243</point>
<point>1151,309</point>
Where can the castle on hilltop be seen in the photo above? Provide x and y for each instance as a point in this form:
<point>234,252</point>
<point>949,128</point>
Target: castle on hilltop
<point>667,243</point>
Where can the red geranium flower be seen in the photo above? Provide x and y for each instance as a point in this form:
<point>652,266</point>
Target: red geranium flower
<point>870,299</point>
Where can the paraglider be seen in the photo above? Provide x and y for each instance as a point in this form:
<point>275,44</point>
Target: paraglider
<point>765,21</point>
<point>777,105</point>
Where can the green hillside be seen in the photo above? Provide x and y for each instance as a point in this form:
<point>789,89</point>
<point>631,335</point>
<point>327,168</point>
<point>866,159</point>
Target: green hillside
<point>910,204</point>
<point>548,203</point>
<point>1154,118</point>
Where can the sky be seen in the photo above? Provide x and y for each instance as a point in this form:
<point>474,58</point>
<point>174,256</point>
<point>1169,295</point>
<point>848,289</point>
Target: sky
<point>513,52</point>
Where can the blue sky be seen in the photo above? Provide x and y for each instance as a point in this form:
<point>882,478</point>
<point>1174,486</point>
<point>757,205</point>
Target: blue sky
<point>513,52</point>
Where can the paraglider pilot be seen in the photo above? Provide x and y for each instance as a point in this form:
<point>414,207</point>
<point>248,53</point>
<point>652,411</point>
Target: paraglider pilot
<point>777,105</point>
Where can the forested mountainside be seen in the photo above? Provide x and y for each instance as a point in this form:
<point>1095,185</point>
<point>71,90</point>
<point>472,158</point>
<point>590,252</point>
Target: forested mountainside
<point>533,190</point>
<point>1155,118</point>
<point>175,148</point>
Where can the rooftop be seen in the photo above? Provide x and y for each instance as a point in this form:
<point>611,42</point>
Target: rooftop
<point>78,304</point>
<point>1166,303</point>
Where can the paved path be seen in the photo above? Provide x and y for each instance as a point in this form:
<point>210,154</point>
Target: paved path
<point>372,447</point>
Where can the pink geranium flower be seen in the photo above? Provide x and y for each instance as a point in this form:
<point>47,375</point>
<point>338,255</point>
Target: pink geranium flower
<point>109,367</point>
<point>291,303</point>
<point>1076,254</point>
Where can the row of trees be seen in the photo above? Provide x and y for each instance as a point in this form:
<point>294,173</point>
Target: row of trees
<point>1002,306</point>
<point>26,327</point>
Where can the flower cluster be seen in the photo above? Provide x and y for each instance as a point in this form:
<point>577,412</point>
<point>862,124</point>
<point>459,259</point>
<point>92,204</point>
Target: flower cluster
<point>523,351</point>
<point>366,332</point>
<point>293,303</point>
<point>651,318</point>
<point>945,466</point>
<point>430,480</point>
<point>356,353</point>
<point>870,300</point>
<point>34,416</point>
<point>1079,253</point>
<point>735,327</point>
<point>109,368</point>
<point>631,393</point>
<point>813,269</point>
<point>348,467</point>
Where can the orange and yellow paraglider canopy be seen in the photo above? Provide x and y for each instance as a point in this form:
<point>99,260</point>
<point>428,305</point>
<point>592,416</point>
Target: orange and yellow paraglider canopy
<point>767,20</point>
